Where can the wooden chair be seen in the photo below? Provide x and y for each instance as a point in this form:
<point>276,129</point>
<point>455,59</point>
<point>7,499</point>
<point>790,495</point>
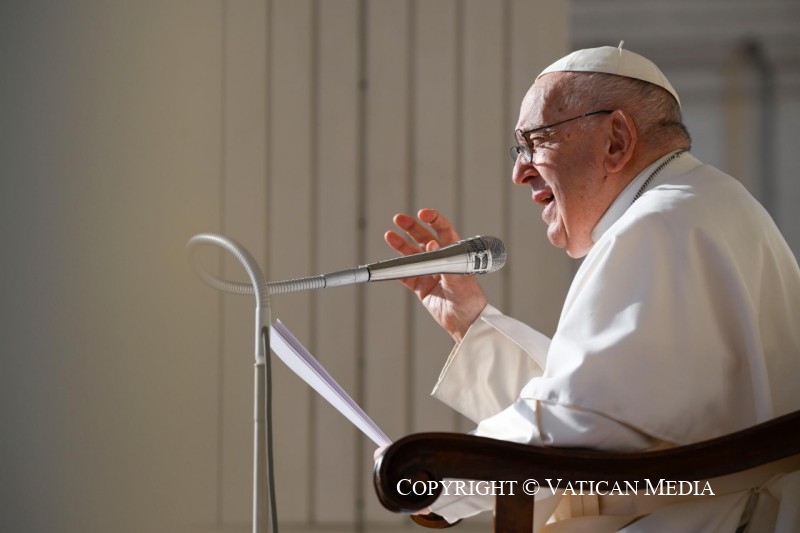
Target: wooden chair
<point>436,456</point>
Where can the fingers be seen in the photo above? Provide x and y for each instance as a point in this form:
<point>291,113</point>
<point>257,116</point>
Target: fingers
<point>416,231</point>
<point>444,229</point>
<point>421,285</point>
<point>420,233</point>
<point>399,244</point>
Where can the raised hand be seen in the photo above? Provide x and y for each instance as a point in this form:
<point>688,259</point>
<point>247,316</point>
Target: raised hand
<point>454,300</point>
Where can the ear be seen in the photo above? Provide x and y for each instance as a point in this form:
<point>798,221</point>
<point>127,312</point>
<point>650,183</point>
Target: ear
<point>621,142</point>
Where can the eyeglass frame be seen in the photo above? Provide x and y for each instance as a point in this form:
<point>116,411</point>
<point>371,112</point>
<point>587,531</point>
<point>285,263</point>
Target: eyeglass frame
<point>519,149</point>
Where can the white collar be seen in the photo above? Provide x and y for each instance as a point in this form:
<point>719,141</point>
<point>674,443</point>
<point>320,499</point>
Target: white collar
<point>627,197</point>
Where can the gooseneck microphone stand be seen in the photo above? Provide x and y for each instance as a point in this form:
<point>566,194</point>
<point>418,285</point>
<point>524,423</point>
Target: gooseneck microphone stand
<point>477,255</point>
<point>264,509</point>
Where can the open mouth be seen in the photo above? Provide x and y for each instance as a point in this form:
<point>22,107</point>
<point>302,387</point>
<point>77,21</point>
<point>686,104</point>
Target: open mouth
<point>544,198</point>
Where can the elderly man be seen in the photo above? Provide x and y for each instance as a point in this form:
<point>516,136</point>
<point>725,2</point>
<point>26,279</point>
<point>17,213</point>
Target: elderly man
<point>680,325</point>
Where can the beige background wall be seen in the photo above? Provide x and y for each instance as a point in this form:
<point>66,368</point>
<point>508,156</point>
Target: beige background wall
<point>297,127</point>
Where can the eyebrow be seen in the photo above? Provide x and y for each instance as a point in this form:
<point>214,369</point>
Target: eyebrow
<point>525,136</point>
<point>546,131</point>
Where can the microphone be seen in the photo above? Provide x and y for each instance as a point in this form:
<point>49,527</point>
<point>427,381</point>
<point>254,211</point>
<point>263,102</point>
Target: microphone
<point>478,255</point>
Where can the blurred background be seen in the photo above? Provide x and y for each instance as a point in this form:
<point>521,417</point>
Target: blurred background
<point>298,128</point>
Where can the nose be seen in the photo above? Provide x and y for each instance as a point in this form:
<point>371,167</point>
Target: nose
<point>524,171</point>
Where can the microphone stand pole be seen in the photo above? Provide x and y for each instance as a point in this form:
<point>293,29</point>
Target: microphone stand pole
<point>262,439</point>
<point>264,507</point>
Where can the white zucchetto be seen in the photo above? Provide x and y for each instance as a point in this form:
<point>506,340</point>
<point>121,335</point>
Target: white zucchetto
<point>611,60</point>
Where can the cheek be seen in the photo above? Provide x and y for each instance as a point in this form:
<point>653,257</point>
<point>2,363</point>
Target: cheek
<point>577,204</point>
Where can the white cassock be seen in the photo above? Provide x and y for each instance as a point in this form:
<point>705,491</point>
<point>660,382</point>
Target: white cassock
<point>682,324</point>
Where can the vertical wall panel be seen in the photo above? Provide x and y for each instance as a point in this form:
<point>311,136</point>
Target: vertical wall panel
<point>739,112</point>
<point>385,329</point>
<point>335,139</point>
<point>290,232</point>
<point>435,183</point>
<point>539,273</point>
<point>788,158</point>
<point>243,191</point>
<point>485,169</point>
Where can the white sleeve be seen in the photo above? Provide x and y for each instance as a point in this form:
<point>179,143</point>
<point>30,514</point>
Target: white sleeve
<point>551,424</point>
<point>486,371</point>
<point>483,378</point>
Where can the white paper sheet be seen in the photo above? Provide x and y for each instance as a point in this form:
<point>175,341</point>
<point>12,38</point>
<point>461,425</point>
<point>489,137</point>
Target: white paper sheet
<point>302,363</point>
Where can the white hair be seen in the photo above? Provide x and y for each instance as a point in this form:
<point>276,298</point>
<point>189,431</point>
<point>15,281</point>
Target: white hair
<point>654,111</point>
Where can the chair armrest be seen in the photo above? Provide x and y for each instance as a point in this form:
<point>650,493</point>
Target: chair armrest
<point>432,457</point>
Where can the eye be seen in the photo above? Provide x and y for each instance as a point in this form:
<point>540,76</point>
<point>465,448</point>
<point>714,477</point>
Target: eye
<point>539,140</point>
<point>533,144</point>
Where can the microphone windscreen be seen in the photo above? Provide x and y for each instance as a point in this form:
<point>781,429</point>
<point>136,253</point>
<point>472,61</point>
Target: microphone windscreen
<point>497,250</point>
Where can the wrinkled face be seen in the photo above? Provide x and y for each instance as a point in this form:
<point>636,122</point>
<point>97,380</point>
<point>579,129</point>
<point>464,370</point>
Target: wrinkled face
<point>566,173</point>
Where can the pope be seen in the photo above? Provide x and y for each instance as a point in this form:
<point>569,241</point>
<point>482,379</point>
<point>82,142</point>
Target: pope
<point>679,326</point>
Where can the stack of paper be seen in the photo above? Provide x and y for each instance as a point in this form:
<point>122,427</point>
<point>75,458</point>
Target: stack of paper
<point>302,363</point>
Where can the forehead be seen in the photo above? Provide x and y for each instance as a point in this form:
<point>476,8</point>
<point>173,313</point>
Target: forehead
<point>543,102</point>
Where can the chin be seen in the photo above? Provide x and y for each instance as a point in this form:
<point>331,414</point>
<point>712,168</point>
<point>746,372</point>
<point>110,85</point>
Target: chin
<point>577,255</point>
<point>572,249</point>
<point>577,252</point>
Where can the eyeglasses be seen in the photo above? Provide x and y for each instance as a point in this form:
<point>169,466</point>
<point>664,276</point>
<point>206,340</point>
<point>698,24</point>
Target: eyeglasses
<point>528,148</point>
